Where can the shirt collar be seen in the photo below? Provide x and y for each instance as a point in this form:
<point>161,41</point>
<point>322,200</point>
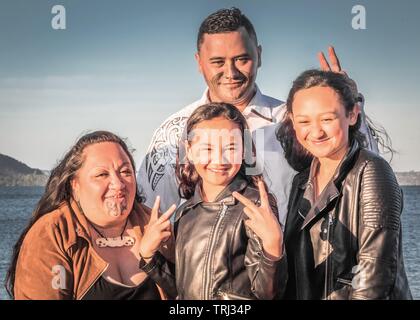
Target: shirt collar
<point>257,103</point>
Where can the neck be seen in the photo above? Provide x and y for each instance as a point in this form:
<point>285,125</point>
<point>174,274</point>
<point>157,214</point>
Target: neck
<point>327,166</point>
<point>210,192</point>
<point>240,104</point>
<point>111,230</point>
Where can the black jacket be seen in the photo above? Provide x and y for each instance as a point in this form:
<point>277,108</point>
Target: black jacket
<point>347,244</point>
<point>217,256</point>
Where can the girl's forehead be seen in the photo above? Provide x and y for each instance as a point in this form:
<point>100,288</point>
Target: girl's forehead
<point>215,135</point>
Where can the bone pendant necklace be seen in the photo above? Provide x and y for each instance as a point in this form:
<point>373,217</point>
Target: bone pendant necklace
<point>117,242</point>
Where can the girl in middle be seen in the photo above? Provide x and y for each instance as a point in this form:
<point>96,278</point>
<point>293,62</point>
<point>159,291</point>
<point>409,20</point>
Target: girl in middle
<point>229,242</point>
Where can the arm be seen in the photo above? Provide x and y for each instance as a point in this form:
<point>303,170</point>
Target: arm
<point>265,257</point>
<point>268,276</point>
<point>43,270</point>
<point>157,248</point>
<point>379,232</point>
<point>156,175</point>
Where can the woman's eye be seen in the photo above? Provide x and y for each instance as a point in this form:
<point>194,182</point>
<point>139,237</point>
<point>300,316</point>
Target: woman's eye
<point>126,172</point>
<point>327,120</point>
<point>103,174</point>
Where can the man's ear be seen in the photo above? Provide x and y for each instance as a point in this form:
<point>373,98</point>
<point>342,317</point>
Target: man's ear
<point>197,58</point>
<point>259,52</point>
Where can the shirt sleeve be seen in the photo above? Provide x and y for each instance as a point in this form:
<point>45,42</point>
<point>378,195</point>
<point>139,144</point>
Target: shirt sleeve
<point>156,175</point>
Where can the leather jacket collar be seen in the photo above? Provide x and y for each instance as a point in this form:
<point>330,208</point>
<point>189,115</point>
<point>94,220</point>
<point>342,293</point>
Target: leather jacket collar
<point>238,184</point>
<point>333,188</point>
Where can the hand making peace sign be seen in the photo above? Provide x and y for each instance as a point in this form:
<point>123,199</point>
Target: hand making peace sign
<point>157,231</point>
<point>263,222</point>
<point>334,65</point>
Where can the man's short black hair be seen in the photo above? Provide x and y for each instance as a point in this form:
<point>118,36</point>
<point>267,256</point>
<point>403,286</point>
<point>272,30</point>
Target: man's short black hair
<point>225,20</point>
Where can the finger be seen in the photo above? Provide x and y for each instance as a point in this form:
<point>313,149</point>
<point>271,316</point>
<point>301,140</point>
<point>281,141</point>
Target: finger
<point>323,62</point>
<point>246,202</point>
<point>166,216</point>
<point>263,194</point>
<point>251,225</point>
<point>335,63</point>
<point>155,210</point>
<point>165,235</point>
<point>249,213</point>
<point>165,226</point>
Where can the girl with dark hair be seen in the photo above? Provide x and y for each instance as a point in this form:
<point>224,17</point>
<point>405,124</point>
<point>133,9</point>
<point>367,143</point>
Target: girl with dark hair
<point>84,238</point>
<point>343,229</point>
<point>229,243</point>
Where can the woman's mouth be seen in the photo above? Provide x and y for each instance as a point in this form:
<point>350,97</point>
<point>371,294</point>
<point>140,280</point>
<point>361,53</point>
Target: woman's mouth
<point>318,142</point>
<point>116,197</point>
<point>218,170</point>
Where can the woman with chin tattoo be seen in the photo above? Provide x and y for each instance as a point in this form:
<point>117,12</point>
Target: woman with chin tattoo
<point>83,239</point>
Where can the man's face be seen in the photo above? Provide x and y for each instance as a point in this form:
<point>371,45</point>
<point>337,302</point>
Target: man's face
<point>229,63</point>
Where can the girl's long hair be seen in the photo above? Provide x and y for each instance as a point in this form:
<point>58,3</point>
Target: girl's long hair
<point>58,189</point>
<point>296,155</point>
<point>186,174</point>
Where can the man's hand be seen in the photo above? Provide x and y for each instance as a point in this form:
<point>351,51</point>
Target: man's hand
<point>334,66</point>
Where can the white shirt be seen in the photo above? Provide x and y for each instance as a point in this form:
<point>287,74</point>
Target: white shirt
<point>156,175</point>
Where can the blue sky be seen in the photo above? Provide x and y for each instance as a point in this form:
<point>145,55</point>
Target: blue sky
<point>126,65</point>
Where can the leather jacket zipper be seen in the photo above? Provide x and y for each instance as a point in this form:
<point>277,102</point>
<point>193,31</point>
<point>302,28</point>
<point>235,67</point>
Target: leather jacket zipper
<point>207,273</point>
<point>330,223</point>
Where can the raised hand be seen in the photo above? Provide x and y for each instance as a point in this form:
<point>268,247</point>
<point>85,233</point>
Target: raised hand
<point>263,222</point>
<point>334,66</point>
<point>157,231</point>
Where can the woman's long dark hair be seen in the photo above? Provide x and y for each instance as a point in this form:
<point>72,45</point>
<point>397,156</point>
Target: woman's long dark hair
<point>58,189</point>
<point>186,174</point>
<point>296,155</point>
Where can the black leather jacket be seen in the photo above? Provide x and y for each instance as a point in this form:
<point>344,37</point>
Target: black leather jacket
<point>217,256</point>
<point>347,244</point>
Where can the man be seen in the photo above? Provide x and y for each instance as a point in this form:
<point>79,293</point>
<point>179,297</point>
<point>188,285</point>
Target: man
<point>228,57</point>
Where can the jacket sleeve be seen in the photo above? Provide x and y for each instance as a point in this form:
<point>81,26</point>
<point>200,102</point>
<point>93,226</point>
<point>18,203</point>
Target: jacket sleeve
<point>156,175</point>
<point>380,206</point>
<point>161,271</point>
<point>43,270</point>
<point>268,277</point>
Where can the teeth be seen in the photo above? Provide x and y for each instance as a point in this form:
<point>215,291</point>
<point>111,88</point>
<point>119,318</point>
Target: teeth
<point>218,170</point>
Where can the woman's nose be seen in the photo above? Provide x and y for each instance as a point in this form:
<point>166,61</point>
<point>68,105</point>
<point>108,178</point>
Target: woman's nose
<point>317,131</point>
<point>116,182</point>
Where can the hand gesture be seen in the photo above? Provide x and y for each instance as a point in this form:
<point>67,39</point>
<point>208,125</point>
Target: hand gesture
<point>157,231</point>
<point>334,66</point>
<point>263,222</point>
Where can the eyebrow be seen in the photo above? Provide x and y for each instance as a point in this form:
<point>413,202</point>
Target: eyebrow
<point>125,163</point>
<point>322,114</point>
<point>244,55</point>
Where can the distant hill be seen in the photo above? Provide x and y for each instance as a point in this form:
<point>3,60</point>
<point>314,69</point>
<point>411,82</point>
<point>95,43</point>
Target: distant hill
<point>410,178</point>
<point>16,173</point>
